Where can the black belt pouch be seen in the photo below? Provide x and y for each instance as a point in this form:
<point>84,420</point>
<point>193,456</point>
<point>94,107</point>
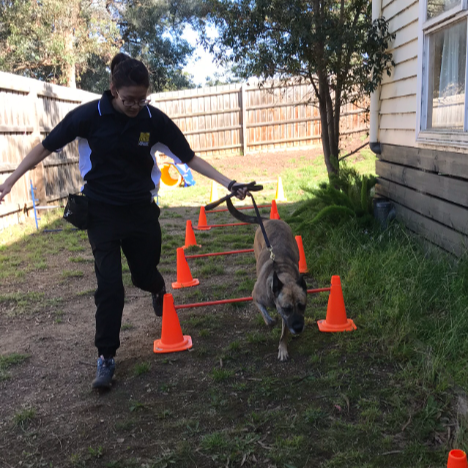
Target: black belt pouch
<point>76,211</point>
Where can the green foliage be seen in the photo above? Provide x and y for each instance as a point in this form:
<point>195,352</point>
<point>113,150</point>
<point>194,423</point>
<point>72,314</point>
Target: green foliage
<point>73,41</point>
<point>346,196</point>
<point>52,40</point>
<point>151,31</point>
<point>332,45</point>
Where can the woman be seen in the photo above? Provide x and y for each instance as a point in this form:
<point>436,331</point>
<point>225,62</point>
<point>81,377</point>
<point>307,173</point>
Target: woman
<point>118,137</point>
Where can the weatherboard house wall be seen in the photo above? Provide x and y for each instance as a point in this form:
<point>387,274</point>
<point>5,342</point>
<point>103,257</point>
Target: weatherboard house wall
<point>419,122</point>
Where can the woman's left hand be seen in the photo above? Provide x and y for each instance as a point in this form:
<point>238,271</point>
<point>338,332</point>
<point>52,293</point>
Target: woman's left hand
<point>239,189</point>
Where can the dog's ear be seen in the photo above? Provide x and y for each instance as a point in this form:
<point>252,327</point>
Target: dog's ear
<point>277,284</point>
<point>301,282</point>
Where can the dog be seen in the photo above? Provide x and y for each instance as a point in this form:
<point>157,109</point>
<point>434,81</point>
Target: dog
<point>279,283</point>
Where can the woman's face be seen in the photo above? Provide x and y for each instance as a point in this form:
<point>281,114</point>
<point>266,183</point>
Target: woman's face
<point>129,100</point>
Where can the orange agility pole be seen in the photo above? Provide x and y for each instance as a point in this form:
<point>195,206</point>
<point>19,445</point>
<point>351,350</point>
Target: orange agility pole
<point>457,459</point>
<point>302,260</point>
<point>239,208</point>
<point>172,339</point>
<point>184,277</point>
<point>336,320</point>
<point>230,301</point>
<point>224,225</point>
<point>190,236</point>
<point>232,252</point>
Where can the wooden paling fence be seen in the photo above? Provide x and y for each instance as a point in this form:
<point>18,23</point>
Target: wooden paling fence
<point>242,119</point>
<point>223,120</point>
<point>29,109</point>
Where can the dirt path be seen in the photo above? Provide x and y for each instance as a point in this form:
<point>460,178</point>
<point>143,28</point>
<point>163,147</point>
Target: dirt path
<point>227,402</point>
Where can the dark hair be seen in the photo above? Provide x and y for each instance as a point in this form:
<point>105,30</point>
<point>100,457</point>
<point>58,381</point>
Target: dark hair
<point>127,71</point>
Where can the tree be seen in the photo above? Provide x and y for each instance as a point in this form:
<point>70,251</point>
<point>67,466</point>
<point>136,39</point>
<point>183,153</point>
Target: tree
<point>151,31</point>
<point>72,42</point>
<point>220,79</point>
<point>53,40</point>
<point>331,44</point>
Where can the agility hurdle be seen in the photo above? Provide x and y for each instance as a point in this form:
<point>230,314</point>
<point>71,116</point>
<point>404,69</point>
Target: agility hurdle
<point>240,299</point>
<point>207,227</point>
<point>239,208</point>
<point>231,252</point>
<point>335,321</point>
<point>171,334</point>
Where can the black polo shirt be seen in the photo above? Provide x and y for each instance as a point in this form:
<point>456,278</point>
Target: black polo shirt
<point>117,153</point>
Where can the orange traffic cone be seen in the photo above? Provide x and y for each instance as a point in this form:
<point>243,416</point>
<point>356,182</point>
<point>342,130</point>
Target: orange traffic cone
<point>336,320</point>
<point>184,277</point>
<point>214,192</point>
<point>190,236</point>
<point>302,260</point>
<point>274,211</point>
<point>202,223</point>
<point>457,459</point>
<point>279,191</point>
<point>172,339</point>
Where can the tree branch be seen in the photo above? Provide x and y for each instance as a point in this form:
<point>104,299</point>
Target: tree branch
<point>353,152</point>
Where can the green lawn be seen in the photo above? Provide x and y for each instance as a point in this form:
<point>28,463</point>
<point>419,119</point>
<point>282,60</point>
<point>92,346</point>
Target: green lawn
<point>390,394</point>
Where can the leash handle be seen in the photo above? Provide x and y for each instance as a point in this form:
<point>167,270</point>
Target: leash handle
<point>251,186</point>
<point>214,204</point>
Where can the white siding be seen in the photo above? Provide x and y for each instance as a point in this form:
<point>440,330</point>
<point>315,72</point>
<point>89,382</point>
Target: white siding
<point>398,91</point>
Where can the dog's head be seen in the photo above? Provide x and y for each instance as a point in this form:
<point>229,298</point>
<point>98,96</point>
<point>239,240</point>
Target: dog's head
<point>290,301</point>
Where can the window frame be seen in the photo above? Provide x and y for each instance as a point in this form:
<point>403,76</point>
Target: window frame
<point>426,28</point>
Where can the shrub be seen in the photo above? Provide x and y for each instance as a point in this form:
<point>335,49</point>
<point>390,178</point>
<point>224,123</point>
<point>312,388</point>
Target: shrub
<point>346,196</point>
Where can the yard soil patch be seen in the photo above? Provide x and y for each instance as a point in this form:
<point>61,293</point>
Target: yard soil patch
<point>226,402</point>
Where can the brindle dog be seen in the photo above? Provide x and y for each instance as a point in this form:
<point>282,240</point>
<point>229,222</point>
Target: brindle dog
<point>279,283</point>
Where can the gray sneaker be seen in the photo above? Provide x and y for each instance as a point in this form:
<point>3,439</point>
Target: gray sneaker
<point>105,372</point>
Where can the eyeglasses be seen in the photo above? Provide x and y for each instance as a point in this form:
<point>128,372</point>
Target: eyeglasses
<point>127,103</point>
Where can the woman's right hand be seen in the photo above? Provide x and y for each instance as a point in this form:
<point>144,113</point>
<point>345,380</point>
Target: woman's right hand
<point>32,159</point>
<point>5,189</point>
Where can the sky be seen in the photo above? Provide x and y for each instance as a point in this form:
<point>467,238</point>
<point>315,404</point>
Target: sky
<point>202,65</point>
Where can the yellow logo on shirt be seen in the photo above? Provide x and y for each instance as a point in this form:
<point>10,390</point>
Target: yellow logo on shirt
<point>144,139</point>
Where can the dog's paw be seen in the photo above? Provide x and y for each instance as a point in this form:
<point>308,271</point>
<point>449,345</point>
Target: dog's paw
<point>283,352</point>
<point>271,322</point>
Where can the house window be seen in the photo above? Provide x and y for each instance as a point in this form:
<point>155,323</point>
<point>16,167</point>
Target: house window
<point>443,105</point>
<point>446,78</point>
<point>437,7</point>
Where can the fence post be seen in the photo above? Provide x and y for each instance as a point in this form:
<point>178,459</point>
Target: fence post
<point>37,173</point>
<point>244,117</point>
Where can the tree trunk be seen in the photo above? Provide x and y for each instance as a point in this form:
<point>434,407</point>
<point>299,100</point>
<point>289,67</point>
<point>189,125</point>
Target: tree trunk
<point>70,68</point>
<point>327,123</point>
<point>324,126</point>
<point>70,74</point>
<point>332,136</point>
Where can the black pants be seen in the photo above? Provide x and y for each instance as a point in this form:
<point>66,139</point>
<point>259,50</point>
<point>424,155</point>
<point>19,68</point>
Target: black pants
<point>136,230</point>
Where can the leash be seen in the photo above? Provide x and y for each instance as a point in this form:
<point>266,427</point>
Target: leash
<point>262,227</point>
<point>252,187</point>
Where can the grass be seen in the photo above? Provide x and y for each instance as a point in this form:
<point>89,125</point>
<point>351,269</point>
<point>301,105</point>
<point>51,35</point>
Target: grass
<point>72,274</point>
<point>20,302</point>
<point>9,360</point>
<point>220,375</point>
<point>141,368</point>
<point>24,417</point>
<point>383,396</point>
